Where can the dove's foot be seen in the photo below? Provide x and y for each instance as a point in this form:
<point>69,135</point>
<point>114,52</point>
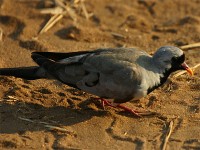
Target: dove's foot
<point>115,105</point>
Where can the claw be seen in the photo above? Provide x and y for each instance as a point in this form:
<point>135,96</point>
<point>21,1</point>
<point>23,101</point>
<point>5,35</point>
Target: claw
<point>134,112</point>
<point>103,104</point>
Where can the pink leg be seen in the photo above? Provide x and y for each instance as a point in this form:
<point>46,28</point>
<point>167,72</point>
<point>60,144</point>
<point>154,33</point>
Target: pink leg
<point>105,102</point>
<point>134,112</point>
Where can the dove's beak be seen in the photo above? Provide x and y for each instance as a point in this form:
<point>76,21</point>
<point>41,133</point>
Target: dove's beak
<point>187,68</point>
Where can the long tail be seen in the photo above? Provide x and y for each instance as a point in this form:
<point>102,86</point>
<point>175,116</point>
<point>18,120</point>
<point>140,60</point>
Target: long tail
<point>29,73</point>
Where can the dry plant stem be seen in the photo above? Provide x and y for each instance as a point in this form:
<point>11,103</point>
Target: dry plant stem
<point>117,35</point>
<point>59,11</point>
<point>25,119</point>
<point>52,21</point>
<point>195,45</point>
<point>12,97</point>
<point>71,13</point>
<point>29,1</point>
<point>45,124</point>
<point>1,34</point>
<point>53,11</point>
<point>9,99</point>
<point>60,4</point>
<point>84,10</point>
<point>182,72</point>
<point>67,8</point>
<point>169,132</point>
<point>56,128</point>
<point>9,91</point>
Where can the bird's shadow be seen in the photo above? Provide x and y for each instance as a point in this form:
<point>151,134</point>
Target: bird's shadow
<point>18,116</point>
<point>22,116</point>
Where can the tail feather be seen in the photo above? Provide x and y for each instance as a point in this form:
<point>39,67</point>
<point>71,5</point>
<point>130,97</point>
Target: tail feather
<point>29,73</point>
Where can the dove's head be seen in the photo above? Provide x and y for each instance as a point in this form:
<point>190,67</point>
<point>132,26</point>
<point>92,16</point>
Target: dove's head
<point>170,59</point>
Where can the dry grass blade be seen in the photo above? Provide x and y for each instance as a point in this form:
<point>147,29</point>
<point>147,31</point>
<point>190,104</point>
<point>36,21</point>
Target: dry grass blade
<point>1,34</point>
<point>68,8</point>
<point>76,1</point>
<point>189,46</point>
<point>118,36</point>
<point>26,119</point>
<point>12,97</point>
<point>53,11</point>
<point>56,128</point>
<point>169,132</point>
<point>29,1</point>
<point>71,13</point>
<point>47,125</point>
<point>9,99</point>
<point>61,9</point>
<point>52,21</point>
<point>147,113</point>
<point>182,72</point>
<point>12,89</point>
<point>59,3</point>
<point>87,16</point>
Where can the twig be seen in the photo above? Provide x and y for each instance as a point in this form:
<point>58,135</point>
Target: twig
<point>62,8</point>
<point>59,3</point>
<point>29,1</point>
<point>118,36</point>
<point>9,99</point>
<point>67,8</point>
<point>169,132</point>
<point>1,34</point>
<point>52,21</point>
<point>12,97</point>
<point>56,128</point>
<point>47,125</point>
<point>195,45</point>
<point>53,11</point>
<point>87,16</point>
<point>11,90</point>
<point>25,119</point>
<point>71,13</point>
<point>182,72</point>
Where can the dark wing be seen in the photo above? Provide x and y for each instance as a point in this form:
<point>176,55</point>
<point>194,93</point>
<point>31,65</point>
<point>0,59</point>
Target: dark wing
<point>110,73</point>
<point>68,73</point>
<point>59,56</point>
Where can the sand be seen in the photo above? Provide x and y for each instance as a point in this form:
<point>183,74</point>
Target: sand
<point>46,114</point>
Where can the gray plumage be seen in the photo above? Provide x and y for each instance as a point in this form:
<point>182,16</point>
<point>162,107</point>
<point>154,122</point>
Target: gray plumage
<point>121,74</point>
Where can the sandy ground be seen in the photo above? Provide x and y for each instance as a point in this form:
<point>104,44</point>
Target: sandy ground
<point>30,111</point>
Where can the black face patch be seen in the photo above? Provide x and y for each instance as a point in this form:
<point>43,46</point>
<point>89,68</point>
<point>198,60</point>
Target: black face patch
<point>176,62</point>
<point>175,65</point>
<point>180,59</point>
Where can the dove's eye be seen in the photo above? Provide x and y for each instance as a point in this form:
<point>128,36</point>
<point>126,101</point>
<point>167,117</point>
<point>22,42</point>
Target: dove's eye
<point>178,60</point>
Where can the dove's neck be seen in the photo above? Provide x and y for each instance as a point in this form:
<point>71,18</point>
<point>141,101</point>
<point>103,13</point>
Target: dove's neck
<point>163,75</point>
<point>163,79</point>
<point>156,73</point>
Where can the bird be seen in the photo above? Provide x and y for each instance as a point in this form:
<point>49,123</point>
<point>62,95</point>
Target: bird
<point>115,75</point>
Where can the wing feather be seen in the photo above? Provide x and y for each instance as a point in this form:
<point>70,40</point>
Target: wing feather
<point>59,56</point>
<point>109,73</point>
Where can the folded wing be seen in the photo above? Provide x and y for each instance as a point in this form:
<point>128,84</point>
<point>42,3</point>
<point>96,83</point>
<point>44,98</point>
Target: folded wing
<point>105,73</point>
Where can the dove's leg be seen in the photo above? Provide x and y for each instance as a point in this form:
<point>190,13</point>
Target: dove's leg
<point>134,112</point>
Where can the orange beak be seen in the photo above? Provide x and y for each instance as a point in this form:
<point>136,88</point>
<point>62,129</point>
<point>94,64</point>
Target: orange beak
<point>187,68</point>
